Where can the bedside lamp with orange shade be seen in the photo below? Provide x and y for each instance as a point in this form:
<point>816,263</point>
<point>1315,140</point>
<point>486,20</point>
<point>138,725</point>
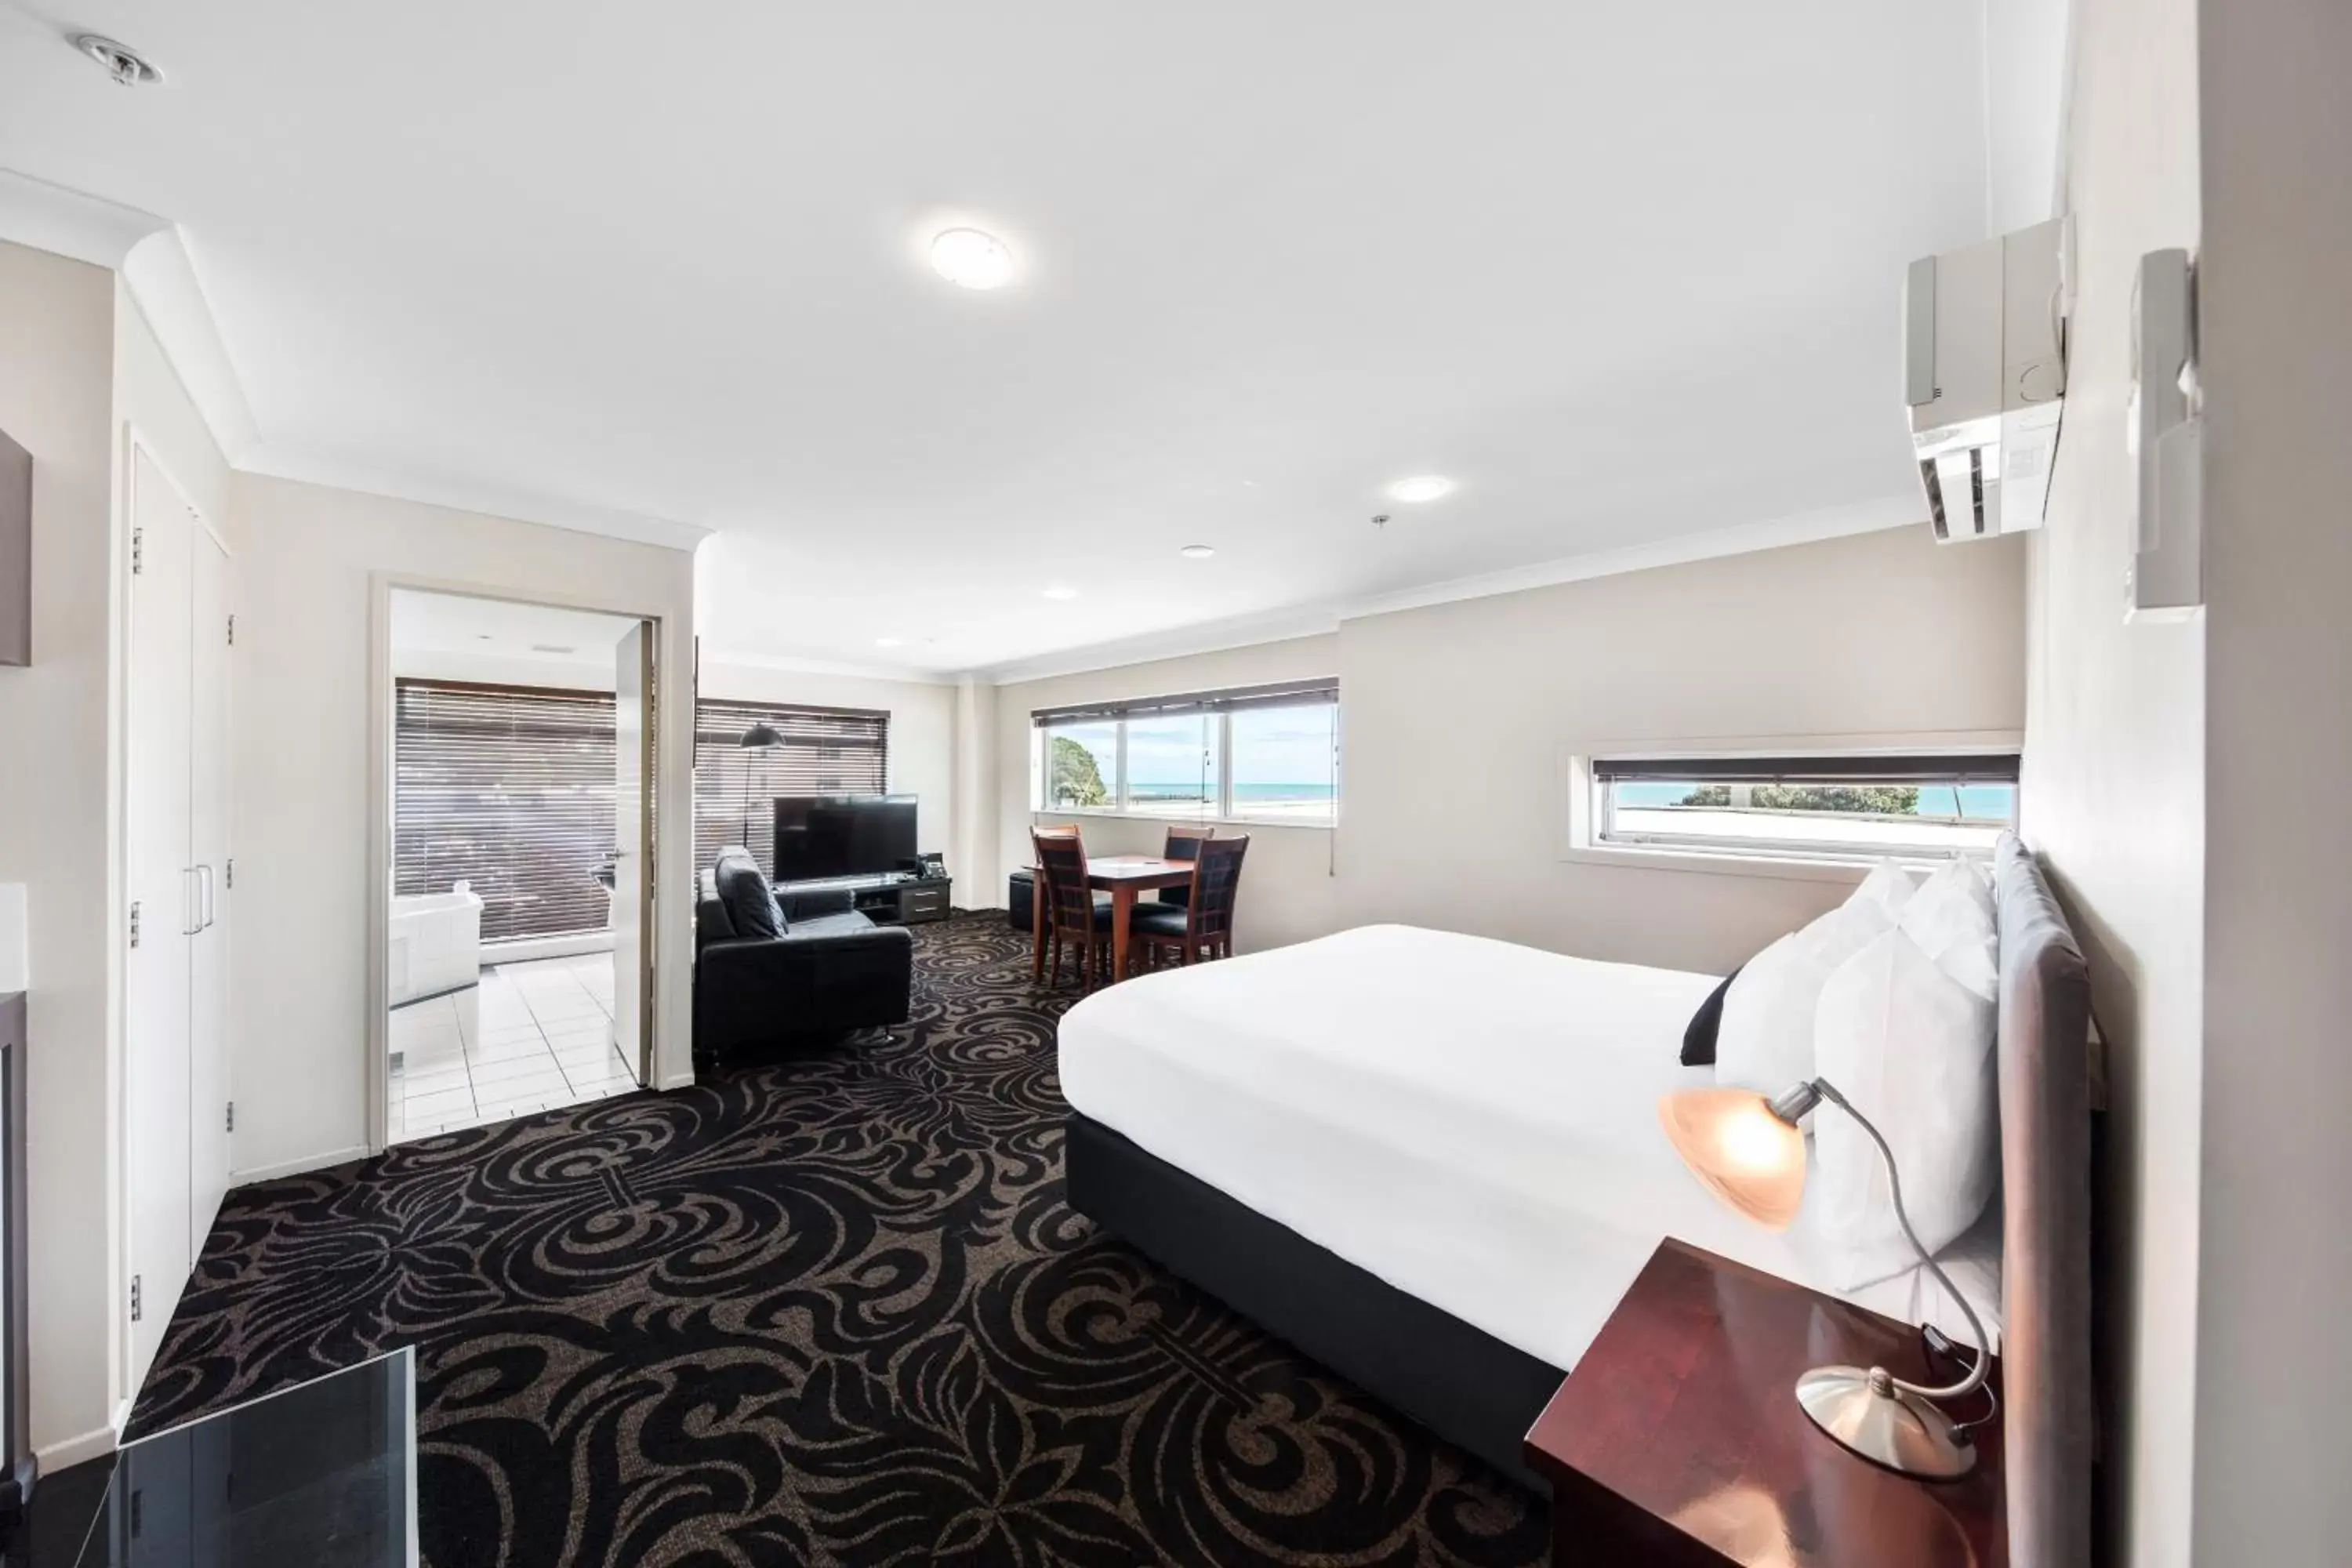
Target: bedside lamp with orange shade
<point>1750,1152</point>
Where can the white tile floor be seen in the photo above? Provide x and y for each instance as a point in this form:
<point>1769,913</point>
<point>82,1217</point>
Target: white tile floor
<point>531,1036</point>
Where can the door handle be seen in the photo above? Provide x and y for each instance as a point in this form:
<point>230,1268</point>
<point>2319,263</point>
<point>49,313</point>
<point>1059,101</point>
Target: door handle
<point>190,920</point>
<point>205,884</point>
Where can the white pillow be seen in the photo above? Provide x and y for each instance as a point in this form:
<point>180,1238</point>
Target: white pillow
<point>1765,1040</point>
<point>1889,886</point>
<point>1951,919</point>
<point>1913,1048</point>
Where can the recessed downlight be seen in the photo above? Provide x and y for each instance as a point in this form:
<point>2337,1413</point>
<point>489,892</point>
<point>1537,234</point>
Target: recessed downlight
<point>971,258</point>
<point>1421,487</point>
<point>889,642</point>
<point>1197,552</point>
<point>1060,591</point>
<point>120,62</point>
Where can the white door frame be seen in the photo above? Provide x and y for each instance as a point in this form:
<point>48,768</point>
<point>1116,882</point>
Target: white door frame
<point>135,445</point>
<point>661,963</point>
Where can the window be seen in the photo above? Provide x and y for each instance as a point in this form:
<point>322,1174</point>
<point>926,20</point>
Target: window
<point>508,788</point>
<point>1081,766</point>
<point>1264,753</point>
<point>823,751</point>
<point>1836,807</point>
<point>1286,763</point>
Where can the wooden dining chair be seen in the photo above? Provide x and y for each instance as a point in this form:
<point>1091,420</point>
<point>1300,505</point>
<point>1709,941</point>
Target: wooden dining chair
<point>1183,843</point>
<point>1072,915</point>
<point>1204,928</point>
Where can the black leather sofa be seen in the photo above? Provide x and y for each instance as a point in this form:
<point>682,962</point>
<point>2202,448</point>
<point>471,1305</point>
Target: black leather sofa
<point>831,972</point>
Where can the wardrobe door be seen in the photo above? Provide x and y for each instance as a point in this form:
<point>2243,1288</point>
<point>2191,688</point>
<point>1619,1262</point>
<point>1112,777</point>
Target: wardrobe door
<point>162,889</point>
<point>208,780</point>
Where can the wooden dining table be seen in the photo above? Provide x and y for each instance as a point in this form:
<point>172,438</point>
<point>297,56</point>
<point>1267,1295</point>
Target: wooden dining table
<point>1123,877</point>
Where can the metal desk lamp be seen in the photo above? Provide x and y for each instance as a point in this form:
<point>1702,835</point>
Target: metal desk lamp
<point>1750,1153</point>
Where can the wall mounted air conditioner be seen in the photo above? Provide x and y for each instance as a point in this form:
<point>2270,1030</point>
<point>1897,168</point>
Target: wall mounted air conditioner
<point>1984,368</point>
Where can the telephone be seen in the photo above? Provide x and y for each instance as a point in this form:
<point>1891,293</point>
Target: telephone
<point>930,866</point>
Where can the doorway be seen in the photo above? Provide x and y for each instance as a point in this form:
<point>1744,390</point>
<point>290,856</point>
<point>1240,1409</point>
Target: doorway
<point>518,930</point>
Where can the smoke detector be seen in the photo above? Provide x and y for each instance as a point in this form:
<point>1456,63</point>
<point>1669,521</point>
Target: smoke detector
<point>120,62</point>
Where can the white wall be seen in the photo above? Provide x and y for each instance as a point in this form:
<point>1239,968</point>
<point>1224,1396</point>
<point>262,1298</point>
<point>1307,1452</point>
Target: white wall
<point>1456,721</point>
<point>302,1066</point>
<point>922,732</point>
<point>2273,1359</point>
<point>2114,791</point>
<point>1458,717</point>
<point>56,362</point>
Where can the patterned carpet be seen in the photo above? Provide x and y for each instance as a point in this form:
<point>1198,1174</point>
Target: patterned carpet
<point>834,1311</point>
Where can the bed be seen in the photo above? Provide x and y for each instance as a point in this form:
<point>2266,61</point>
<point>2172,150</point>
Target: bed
<point>1431,1161</point>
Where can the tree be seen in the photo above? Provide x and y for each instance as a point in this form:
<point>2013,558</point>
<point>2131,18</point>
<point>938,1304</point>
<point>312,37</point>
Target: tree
<point>1876,800</point>
<point>1072,777</point>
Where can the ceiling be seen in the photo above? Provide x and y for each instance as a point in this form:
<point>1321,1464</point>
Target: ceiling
<point>1629,274</point>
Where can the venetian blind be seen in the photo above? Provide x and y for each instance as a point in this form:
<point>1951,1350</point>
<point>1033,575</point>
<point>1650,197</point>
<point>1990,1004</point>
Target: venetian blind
<point>825,750</point>
<point>508,788</point>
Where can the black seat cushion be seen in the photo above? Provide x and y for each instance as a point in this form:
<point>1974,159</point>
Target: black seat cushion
<point>1163,922</point>
<point>751,904</point>
<point>817,928</point>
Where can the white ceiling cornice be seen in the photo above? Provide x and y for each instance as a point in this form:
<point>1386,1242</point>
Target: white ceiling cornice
<point>162,278</point>
<point>71,223</point>
<point>152,257</point>
<point>1177,642</point>
<point>1184,642</point>
<point>283,461</point>
<point>789,666</point>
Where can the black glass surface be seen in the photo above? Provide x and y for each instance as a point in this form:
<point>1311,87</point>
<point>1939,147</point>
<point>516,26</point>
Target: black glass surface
<point>323,1473</point>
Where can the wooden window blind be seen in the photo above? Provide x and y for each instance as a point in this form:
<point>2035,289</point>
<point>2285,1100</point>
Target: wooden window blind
<point>508,788</point>
<point>826,751</point>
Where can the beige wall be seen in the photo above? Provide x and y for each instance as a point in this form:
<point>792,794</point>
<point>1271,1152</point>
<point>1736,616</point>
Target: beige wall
<point>922,728</point>
<point>1458,717</point>
<point>301,1065</point>
<point>1287,878</point>
<point>2272,1360</point>
<point>2114,796</point>
<point>57,355</point>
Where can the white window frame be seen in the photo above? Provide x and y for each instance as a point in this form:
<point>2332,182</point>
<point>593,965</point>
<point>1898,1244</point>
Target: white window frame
<point>1122,803</point>
<point>1585,838</point>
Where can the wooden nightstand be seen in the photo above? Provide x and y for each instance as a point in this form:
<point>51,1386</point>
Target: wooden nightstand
<point>1678,1440</point>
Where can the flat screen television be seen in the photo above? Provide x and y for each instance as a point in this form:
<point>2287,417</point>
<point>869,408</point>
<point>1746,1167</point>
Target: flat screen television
<point>842,835</point>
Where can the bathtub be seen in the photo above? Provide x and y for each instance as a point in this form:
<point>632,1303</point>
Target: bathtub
<point>435,942</point>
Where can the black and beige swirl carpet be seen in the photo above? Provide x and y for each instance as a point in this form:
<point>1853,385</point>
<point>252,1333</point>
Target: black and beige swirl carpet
<point>831,1311</point>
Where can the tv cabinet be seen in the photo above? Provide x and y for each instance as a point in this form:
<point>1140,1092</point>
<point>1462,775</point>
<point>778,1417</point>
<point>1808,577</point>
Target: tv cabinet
<point>888,897</point>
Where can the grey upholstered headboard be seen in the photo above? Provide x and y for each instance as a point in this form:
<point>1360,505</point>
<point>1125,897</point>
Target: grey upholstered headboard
<point>2046,1153</point>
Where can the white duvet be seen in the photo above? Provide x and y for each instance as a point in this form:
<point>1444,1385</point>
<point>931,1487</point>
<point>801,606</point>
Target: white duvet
<point>1471,1120</point>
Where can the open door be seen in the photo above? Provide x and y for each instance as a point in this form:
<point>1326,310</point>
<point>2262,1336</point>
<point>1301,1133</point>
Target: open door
<point>633,870</point>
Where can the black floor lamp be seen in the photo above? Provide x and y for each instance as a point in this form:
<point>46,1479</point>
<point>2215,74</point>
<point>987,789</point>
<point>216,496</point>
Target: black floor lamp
<point>758,738</point>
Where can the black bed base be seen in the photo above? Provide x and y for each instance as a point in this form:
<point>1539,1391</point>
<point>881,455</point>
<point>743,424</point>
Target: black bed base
<point>1460,1383</point>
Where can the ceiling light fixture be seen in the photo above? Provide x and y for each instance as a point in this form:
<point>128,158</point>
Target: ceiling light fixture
<point>1421,487</point>
<point>120,62</point>
<point>1060,591</point>
<point>889,642</point>
<point>969,259</point>
<point>1197,552</point>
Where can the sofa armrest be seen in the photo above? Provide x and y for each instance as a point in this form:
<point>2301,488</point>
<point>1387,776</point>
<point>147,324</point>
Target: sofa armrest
<point>755,993</point>
<point>808,903</point>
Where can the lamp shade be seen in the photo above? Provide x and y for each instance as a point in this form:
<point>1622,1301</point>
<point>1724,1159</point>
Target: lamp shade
<point>760,736</point>
<point>1747,1156</point>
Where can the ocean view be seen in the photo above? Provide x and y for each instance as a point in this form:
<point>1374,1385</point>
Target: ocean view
<point>1192,789</point>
